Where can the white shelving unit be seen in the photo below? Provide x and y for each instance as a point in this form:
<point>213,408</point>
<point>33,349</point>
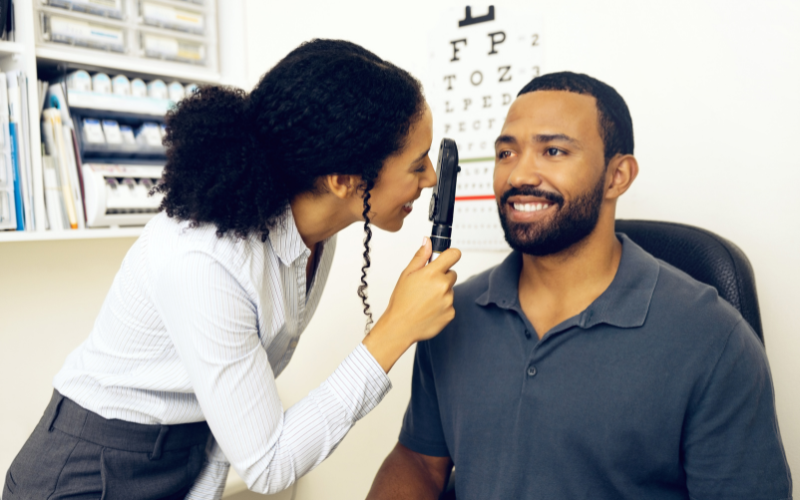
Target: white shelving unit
<point>225,58</point>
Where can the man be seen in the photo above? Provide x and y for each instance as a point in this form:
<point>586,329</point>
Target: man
<point>582,367</point>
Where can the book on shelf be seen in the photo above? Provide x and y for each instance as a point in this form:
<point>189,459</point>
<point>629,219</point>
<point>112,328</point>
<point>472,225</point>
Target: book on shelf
<point>7,20</point>
<point>55,135</point>
<point>53,195</point>
<point>9,187</point>
<point>20,147</point>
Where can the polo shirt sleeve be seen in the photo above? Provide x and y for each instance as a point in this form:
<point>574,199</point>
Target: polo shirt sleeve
<point>732,446</point>
<point>422,425</point>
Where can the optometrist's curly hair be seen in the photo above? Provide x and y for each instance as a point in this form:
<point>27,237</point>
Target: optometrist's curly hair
<point>236,160</point>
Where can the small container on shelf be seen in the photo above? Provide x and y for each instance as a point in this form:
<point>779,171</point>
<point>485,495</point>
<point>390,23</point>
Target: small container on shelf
<point>107,8</point>
<point>175,91</point>
<point>173,49</point>
<point>79,80</point>
<point>74,31</point>
<point>120,85</point>
<point>138,88</point>
<point>101,83</point>
<point>157,89</point>
<point>93,131</point>
<point>165,16</point>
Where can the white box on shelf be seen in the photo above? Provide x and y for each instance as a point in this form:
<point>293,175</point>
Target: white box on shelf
<point>173,49</point>
<point>74,31</point>
<point>165,16</point>
<point>118,195</point>
<point>109,8</point>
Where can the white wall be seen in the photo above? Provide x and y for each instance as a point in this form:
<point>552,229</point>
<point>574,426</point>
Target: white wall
<point>713,90</point>
<point>712,86</point>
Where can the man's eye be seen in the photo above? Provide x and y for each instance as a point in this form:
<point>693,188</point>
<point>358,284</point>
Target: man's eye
<point>553,152</point>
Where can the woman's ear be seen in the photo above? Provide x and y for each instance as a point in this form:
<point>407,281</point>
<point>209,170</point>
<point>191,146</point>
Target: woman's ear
<point>341,186</point>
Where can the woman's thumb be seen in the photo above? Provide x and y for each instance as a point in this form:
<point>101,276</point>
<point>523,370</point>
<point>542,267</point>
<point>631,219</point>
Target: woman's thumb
<point>421,257</point>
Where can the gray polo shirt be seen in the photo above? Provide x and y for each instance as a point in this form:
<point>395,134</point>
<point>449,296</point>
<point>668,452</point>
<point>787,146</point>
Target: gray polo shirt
<point>658,390</point>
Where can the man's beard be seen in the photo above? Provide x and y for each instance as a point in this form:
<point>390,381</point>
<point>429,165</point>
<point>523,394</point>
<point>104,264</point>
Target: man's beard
<point>571,223</point>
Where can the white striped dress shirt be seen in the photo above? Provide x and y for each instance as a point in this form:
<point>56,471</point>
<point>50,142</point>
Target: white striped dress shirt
<point>197,327</point>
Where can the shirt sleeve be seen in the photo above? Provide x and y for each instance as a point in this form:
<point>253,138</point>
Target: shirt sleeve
<point>732,446</point>
<point>422,425</point>
<point>213,325</point>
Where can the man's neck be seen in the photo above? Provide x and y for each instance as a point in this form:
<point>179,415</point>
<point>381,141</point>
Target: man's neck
<point>556,287</point>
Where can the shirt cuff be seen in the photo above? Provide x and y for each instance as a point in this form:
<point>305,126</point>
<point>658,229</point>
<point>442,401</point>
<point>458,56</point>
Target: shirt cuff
<point>359,383</point>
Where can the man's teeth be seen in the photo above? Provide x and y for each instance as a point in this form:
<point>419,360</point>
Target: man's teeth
<point>530,207</point>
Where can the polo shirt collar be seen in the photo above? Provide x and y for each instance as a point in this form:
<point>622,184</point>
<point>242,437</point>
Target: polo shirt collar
<point>286,241</point>
<point>624,303</point>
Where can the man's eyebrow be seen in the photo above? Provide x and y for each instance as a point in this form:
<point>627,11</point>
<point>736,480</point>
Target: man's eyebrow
<point>555,137</point>
<point>505,139</point>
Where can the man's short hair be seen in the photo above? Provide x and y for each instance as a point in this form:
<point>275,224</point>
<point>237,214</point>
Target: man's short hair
<point>616,126</point>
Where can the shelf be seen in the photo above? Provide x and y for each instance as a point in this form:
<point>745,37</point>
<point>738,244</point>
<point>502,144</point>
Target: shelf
<point>10,48</point>
<point>98,60</point>
<point>119,103</point>
<point>77,234</point>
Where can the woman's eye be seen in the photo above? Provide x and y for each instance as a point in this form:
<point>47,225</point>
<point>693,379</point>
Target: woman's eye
<point>503,154</point>
<point>420,169</point>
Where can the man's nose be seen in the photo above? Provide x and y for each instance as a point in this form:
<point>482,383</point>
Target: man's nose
<point>526,173</point>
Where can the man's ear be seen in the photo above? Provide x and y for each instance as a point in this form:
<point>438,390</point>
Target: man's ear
<point>622,171</point>
<point>341,186</point>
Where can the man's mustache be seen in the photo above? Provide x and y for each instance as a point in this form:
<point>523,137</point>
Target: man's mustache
<point>532,191</point>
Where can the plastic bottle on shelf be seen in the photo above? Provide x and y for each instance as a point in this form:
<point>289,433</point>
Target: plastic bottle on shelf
<point>126,133</point>
<point>101,83</point>
<point>80,81</point>
<point>111,131</point>
<point>175,91</point>
<point>120,85</point>
<point>157,89</point>
<point>93,131</point>
<point>189,89</point>
<point>138,88</point>
<point>149,134</point>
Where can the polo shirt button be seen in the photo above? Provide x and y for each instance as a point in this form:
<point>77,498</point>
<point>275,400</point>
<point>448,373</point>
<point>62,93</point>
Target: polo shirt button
<point>531,371</point>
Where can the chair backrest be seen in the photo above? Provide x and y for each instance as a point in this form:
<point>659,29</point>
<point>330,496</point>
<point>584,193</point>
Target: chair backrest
<point>704,256</point>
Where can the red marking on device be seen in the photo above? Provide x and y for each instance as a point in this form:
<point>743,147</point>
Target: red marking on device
<point>476,197</point>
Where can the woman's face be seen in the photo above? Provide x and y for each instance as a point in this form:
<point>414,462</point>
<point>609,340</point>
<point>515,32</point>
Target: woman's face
<point>403,177</point>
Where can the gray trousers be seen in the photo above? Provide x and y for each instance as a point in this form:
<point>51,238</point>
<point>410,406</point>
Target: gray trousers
<point>78,455</point>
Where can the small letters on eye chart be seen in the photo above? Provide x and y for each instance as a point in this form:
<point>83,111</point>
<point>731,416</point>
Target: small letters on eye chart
<point>480,57</point>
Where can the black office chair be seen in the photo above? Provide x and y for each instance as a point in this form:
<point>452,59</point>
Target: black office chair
<point>701,254</point>
<point>704,256</point>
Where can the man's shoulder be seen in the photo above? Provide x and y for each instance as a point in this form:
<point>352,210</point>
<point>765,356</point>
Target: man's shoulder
<point>474,286</point>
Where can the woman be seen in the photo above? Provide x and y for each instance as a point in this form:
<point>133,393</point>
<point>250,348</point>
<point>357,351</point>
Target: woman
<point>177,378</point>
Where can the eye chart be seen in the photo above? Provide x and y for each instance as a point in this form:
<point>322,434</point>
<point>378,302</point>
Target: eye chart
<point>480,56</point>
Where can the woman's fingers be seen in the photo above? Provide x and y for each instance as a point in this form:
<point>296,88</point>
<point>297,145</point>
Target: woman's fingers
<point>446,260</point>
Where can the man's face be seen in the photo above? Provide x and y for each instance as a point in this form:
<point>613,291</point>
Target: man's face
<point>549,176</point>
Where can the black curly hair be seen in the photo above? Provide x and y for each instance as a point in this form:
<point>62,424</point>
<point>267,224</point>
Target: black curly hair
<point>236,160</point>
<point>616,125</point>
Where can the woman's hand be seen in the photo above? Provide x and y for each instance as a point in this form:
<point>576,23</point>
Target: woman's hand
<point>420,307</point>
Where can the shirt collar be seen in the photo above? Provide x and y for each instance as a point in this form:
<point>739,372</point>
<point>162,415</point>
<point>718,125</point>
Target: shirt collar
<point>624,303</point>
<point>286,241</point>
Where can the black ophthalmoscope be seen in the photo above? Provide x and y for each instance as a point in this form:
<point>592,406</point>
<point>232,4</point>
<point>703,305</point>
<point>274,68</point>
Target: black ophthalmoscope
<point>443,199</point>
